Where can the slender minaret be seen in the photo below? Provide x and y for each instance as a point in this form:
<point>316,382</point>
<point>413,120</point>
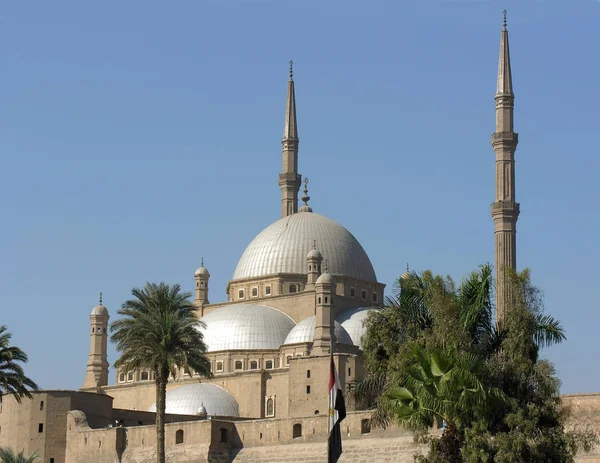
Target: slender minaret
<point>289,179</point>
<point>505,209</point>
<point>97,366</point>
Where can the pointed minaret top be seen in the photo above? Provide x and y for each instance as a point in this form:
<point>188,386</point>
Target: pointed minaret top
<point>290,131</point>
<point>504,73</point>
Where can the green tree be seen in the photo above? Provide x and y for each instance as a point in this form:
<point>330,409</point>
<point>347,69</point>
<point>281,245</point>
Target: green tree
<point>443,387</point>
<point>7,455</point>
<point>12,376</point>
<point>159,331</point>
<point>430,312</point>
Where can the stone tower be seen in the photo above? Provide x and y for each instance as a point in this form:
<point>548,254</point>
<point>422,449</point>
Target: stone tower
<point>97,366</point>
<point>313,266</point>
<point>289,179</point>
<point>202,276</point>
<point>505,209</point>
<point>324,292</point>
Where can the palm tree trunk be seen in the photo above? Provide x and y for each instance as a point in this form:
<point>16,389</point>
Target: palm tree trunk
<point>161,393</point>
<point>450,445</point>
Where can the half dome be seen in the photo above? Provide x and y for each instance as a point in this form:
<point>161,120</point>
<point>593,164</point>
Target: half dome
<point>305,332</point>
<point>282,247</point>
<point>187,400</point>
<point>353,322</point>
<point>245,326</point>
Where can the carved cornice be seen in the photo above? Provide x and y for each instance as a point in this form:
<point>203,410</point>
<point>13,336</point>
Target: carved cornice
<point>505,209</point>
<point>505,101</point>
<point>289,144</point>
<point>505,138</point>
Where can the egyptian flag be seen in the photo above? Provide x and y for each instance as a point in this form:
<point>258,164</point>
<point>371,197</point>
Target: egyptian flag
<point>337,412</point>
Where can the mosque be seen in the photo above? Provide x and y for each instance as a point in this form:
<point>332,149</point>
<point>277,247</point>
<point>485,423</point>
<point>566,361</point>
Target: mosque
<point>300,292</point>
<point>301,288</point>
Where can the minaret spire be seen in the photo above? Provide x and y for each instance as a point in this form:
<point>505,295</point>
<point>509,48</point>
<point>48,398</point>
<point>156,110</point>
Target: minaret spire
<point>505,209</point>
<point>289,179</point>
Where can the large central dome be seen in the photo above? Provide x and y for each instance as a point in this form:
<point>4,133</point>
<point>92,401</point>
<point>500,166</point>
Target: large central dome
<point>282,248</point>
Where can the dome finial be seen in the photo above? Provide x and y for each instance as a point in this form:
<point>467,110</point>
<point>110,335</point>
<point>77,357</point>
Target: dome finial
<point>100,299</point>
<point>504,12</point>
<point>326,267</point>
<point>407,268</point>
<point>291,70</point>
<point>315,245</point>
<point>305,198</point>
<point>202,262</point>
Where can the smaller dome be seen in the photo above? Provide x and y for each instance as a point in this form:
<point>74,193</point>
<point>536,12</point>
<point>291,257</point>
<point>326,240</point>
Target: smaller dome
<point>325,279</point>
<point>245,326</point>
<point>100,310</point>
<point>202,271</point>
<point>188,399</point>
<point>314,254</point>
<point>305,332</point>
<point>353,322</point>
<point>201,410</point>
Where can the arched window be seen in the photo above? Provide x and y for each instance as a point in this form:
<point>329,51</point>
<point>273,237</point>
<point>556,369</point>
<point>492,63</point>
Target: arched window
<point>239,365</point>
<point>241,294</point>
<point>269,364</point>
<point>219,366</point>
<point>253,365</point>
<point>179,436</point>
<point>254,292</point>
<point>223,437</point>
<point>268,290</point>
<point>293,289</point>
<point>270,407</point>
<point>297,431</point>
<point>374,297</point>
<point>145,376</point>
<point>287,359</point>
<point>365,426</point>
<point>364,294</point>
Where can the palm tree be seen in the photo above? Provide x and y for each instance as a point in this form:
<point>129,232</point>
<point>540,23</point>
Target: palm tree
<point>443,386</point>
<point>12,377</point>
<point>159,331</point>
<point>8,456</point>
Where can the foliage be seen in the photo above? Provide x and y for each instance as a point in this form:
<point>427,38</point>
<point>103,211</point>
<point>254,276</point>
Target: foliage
<point>12,376</point>
<point>159,331</point>
<point>7,455</point>
<point>435,353</point>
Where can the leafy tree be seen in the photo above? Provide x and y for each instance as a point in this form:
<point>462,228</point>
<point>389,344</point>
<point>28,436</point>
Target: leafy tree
<point>159,331</point>
<point>428,314</point>
<point>12,376</point>
<point>7,455</point>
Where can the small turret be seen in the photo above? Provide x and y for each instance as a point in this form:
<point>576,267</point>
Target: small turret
<point>97,365</point>
<point>202,276</point>
<point>324,339</point>
<point>313,265</point>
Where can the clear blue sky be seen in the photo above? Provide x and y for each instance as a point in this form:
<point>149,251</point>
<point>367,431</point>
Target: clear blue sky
<point>138,136</point>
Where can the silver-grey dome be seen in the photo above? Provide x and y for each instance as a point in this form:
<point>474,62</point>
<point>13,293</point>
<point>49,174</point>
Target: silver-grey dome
<point>305,332</point>
<point>100,311</point>
<point>282,247</point>
<point>245,326</point>
<point>353,322</point>
<point>186,400</point>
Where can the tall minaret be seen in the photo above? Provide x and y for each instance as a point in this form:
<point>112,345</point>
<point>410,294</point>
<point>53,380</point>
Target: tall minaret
<point>289,179</point>
<point>97,366</point>
<point>505,209</point>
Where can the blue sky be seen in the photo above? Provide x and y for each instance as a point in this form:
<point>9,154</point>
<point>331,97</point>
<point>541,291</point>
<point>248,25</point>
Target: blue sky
<point>137,137</point>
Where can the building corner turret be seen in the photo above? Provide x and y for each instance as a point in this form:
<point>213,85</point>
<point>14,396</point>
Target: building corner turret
<point>97,366</point>
<point>201,276</point>
<point>505,210</point>
<point>324,338</point>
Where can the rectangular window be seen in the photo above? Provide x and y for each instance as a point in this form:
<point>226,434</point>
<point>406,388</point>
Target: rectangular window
<point>42,405</point>
<point>145,376</point>
<point>308,373</point>
<point>292,288</point>
<point>349,371</point>
<point>352,292</point>
<point>122,378</point>
<point>41,427</point>
<point>130,377</point>
<point>308,389</point>
<point>374,297</point>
